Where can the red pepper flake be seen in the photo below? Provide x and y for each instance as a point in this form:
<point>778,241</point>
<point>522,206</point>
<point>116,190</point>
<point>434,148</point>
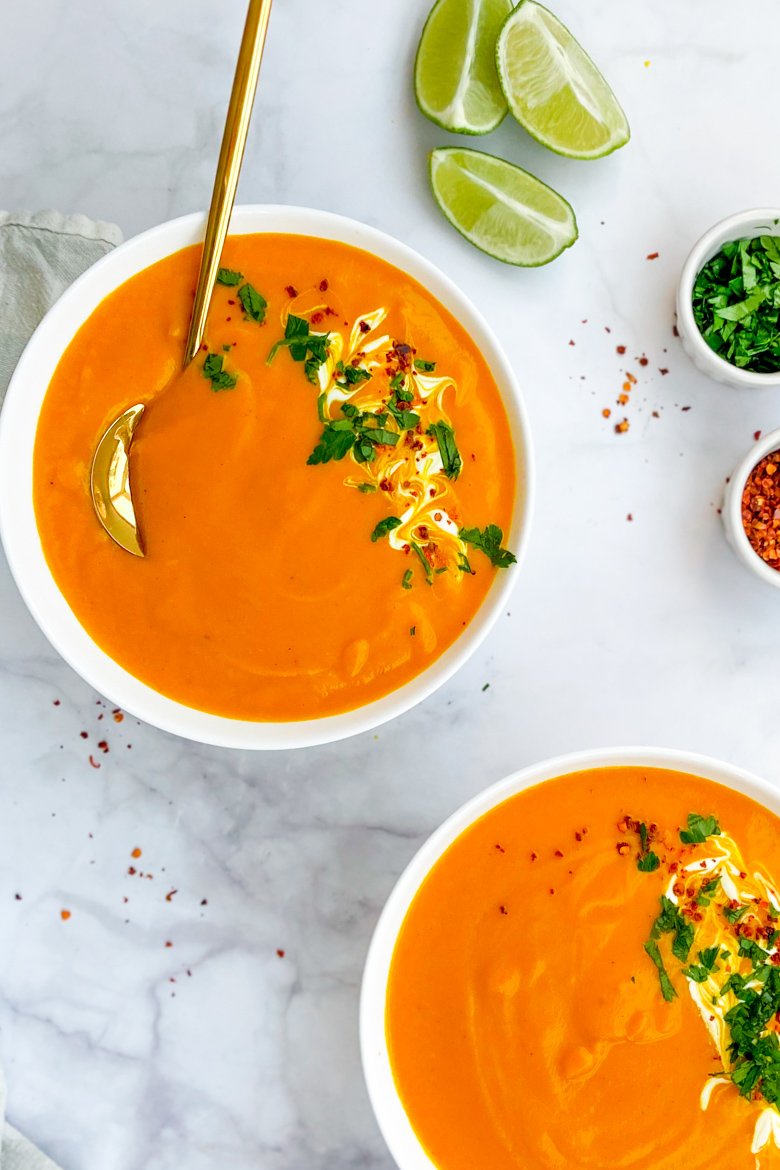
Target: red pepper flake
<point>630,517</point>
<point>103,746</point>
<point>675,331</point>
<point>500,848</point>
<point>756,435</point>
<point>94,762</point>
<point>572,343</point>
<point>534,856</point>
<point>621,349</point>
<point>323,286</point>
<point>169,896</point>
<point>761,509</point>
<point>606,412</point>
<point>653,256</point>
<point>559,853</point>
<point>56,702</point>
<point>204,902</point>
<point>291,290</point>
<point>503,909</point>
<point>316,318</point>
<point>663,370</point>
<point>643,361</point>
<point>552,891</point>
<point>132,870</point>
<point>623,848</point>
<point>136,853</point>
<point>64,915</point>
<point>279,952</point>
<point>84,734</point>
<point>169,944</point>
<point>621,427</point>
<point>18,897</point>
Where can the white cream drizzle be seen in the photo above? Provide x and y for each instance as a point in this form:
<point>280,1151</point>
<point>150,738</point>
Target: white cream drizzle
<point>726,862</point>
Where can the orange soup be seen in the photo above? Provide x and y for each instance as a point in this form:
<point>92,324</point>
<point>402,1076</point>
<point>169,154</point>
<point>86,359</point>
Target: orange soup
<point>323,494</point>
<point>589,977</point>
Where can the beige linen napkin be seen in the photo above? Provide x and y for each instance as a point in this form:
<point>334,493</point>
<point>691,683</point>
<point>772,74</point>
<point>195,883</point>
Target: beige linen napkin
<point>40,255</point>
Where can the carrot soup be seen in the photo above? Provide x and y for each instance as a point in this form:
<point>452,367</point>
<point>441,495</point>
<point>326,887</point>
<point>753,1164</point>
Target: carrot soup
<point>589,977</point>
<point>323,494</point>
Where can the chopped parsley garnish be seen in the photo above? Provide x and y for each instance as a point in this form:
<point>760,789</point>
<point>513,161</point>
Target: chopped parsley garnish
<point>669,921</point>
<point>707,891</point>
<point>253,303</point>
<point>464,566</point>
<point>424,367</point>
<point>412,630</point>
<point>305,346</point>
<point>736,303</point>
<point>366,487</point>
<point>699,829</point>
<point>406,580</point>
<point>383,527</point>
<point>488,540</point>
<point>707,965</point>
<point>336,441</point>
<point>220,378</point>
<point>229,276</point>
<point>450,455</point>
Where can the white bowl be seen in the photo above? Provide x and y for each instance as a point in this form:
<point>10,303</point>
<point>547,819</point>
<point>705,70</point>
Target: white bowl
<point>17,518</point>
<point>744,225</point>
<point>731,512</point>
<point>387,1104</point>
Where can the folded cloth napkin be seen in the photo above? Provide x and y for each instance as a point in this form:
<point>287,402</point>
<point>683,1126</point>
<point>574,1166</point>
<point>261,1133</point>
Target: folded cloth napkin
<point>40,255</point>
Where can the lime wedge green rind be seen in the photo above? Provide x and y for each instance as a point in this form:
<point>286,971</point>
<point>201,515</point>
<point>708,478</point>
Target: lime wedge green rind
<point>456,84</point>
<point>500,208</point>
<point>553,88</point>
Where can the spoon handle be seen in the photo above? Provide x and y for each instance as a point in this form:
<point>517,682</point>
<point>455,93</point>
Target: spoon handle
<point>229,166</point>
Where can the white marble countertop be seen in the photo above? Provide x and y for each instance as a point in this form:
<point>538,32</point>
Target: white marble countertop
<point>125,1053</point>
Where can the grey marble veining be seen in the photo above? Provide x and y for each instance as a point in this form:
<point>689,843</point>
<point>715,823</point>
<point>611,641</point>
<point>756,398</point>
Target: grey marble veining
<point>124,1053</point>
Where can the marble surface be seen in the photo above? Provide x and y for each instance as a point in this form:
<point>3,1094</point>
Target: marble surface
<point>632,620</point>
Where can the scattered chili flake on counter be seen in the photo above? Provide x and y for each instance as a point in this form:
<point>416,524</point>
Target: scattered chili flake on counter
<point>653,255</point>
<point>136,852</point>
<point>622,426</point>
<point>761,509</point>
<point>64,915</point>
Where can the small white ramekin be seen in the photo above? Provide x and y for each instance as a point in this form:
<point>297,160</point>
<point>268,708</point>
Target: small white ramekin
<point>403,1143</point>
<point>743,225</point>
<point>731,512</point>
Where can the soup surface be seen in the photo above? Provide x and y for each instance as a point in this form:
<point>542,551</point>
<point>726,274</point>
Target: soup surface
<point>316,515</point>
<point>571,975</point>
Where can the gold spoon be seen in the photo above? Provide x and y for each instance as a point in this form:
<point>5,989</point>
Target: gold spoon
<point>110,473</point>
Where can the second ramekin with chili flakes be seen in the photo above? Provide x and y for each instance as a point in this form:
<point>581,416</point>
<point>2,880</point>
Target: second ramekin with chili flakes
<point>751,509</point>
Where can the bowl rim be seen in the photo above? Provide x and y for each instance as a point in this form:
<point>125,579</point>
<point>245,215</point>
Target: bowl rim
<point>732,507</point>
<point>703,250</point>
<point>19,534</point>
<point>401,1139</point>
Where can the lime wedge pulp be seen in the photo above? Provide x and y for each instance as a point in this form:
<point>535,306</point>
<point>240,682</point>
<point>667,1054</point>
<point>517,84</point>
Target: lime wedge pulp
<point>455,78</point>
<point>500,208</point>
<point>553,88</point>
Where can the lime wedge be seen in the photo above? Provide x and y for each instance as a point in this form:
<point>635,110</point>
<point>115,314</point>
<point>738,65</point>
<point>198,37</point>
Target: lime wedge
<point>553,88</point>
<point>500,208</point>
<point>455,78</point>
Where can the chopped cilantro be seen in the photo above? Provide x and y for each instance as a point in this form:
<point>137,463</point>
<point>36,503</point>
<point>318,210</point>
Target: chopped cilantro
<point>707,965</point>
<point>253,303</point>
<point>412,630</point>
<point>304,346</point>
<point>424,562</point>
<point>406,580</point>
<point>736,298</point>
<point>488,540</point>
<point>397,381</point>
<point>649,863</point>
<point>463,564</point>
<point>220,379</point>
<point>366,487</point>
<point>336,441</point>
<point>667,989</point>
<point>707,891</point>
<point>353,375</point>
<point>734,915</point>
<point>229,276</point>
<point>385,526</point>
<point>424,367</point>
<point>450,455</point>
<point>699,829</point>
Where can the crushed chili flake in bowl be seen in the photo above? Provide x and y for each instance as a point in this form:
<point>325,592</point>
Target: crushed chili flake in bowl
<point>751,509</point>
<point>761,509</point>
